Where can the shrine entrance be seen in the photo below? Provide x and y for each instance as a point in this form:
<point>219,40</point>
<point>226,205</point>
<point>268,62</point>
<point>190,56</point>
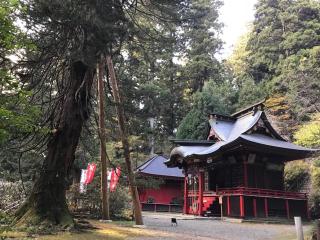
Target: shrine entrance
<point>193,198</point>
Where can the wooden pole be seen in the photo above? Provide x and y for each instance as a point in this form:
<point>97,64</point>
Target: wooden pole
<point>103,151</point>
<point>125,142</point>
<point>299,230</point>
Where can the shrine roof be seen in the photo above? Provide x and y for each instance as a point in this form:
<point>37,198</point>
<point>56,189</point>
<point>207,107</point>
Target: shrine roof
<point>255,142</point>
<point>237,131</point>
<point>156,166</point>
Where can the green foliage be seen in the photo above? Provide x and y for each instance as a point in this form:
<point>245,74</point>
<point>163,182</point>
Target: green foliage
<point>202,42</point>
<point>17,116</point>
<point>248,90</point>
<point>120,207</point>
<point>214,98</point>
<point>148,182</point>
<point>280,56</point>
<point>314,198</point>
<point>5,219</point>
<point>309,134</point>
<point>296,175</point>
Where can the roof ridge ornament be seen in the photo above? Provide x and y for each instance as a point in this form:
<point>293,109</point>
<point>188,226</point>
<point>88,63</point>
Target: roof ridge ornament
<point>255,107</point>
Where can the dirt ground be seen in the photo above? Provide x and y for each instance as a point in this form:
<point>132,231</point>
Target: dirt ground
<point>190,227</point>
<point>158,226</point>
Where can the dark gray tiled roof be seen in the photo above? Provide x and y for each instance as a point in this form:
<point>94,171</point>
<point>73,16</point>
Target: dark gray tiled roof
<point>234,132</point>
<point>155,166</point>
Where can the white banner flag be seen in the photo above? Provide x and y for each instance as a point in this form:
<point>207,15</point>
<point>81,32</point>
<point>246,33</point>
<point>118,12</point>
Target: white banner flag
<point>83,187</point>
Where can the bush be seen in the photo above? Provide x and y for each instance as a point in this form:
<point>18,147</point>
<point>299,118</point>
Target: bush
<point>119,201</point>
<point>120,204</point>
<point>296,175</point>
<point>12,195</point>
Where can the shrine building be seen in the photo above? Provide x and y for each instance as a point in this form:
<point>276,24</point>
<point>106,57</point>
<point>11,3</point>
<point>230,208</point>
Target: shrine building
<point>168,196</point>
<point>238,171</point>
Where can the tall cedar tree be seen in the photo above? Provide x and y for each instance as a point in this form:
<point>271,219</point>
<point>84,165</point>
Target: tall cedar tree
<point>284,54</point>
<point>69,36</point>
<point>201,33</point>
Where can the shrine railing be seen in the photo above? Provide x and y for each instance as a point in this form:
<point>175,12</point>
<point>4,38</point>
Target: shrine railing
<point>260,192</point>
<point>161,207</point>
<point>251,192</point>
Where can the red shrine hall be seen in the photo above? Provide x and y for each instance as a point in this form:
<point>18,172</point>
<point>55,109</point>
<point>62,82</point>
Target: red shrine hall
<point>238,170</point>
<point>168,197</point>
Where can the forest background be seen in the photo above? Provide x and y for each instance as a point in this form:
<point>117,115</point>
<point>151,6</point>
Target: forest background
<point>169,71</point>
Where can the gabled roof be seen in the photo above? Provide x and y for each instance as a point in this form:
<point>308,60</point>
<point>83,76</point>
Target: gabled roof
<point>227,130</point>
<point>155,166</point>
<point>239,131</point>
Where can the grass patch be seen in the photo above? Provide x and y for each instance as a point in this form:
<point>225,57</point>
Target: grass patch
<point>307,233</point>
<point>117,230</point>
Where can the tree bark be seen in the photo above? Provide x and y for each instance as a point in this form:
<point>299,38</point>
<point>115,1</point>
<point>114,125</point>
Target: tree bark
<point>125,142</point>
<point>47,201</point>
<point>103,151</point>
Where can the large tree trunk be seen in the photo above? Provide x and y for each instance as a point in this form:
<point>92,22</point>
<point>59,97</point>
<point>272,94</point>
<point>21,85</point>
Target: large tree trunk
<point>125,142</point>
<point>47,202</point>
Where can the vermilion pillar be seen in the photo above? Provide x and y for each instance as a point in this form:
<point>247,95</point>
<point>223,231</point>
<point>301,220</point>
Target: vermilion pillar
<point>266,207</point>
<point>185,195</point>
<point>287,208</point>
<point>200,197</point>
<point>241,206</point>
<point>228,206</point>
<point>255,207</point>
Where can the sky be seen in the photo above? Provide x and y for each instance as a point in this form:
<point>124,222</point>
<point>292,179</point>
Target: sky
<point>236,15</point>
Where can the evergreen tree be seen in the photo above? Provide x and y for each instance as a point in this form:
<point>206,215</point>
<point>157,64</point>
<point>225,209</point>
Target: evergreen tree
<point>202,42</point>
<point>69,38</point>
<point>217,98</point>
<point>282,55</point>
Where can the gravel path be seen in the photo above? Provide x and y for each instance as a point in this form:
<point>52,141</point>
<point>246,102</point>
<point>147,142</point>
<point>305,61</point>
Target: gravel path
<point>204,228</point>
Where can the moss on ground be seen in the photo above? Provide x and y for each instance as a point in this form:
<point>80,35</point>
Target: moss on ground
<point>117,230</point>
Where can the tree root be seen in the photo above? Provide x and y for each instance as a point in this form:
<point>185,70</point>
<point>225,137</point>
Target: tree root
<point>31,219</point>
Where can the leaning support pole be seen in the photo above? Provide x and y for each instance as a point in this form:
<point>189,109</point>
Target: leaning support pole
<point>125,142</point>
<point>102,137</point>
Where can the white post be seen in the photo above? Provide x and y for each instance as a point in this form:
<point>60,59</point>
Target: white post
<point>298,224</point>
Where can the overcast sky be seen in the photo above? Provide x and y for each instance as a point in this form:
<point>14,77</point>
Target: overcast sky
<point>235,14</point>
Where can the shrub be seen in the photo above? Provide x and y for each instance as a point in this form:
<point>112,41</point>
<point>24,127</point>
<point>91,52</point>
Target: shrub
<point>119,201</point>
<point>296,175</point>
<point>12,195</point>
